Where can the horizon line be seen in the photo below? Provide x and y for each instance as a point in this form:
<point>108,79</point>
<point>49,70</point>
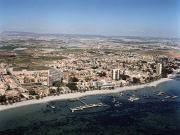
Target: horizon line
<point>81,34</point>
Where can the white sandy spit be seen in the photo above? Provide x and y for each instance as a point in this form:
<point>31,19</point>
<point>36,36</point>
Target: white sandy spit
<point>79,94</point>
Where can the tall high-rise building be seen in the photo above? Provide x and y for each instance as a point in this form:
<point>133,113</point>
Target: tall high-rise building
<point>54,76</point>
<point>116,74</point>
<point>159,69</point>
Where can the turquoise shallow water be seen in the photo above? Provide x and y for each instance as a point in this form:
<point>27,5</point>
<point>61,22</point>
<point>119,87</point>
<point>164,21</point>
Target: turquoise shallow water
<point>151,114</point>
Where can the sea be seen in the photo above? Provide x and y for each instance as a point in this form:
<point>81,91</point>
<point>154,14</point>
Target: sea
<point>153,111</point>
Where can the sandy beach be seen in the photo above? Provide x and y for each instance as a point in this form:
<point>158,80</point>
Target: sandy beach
<point>79,94</point>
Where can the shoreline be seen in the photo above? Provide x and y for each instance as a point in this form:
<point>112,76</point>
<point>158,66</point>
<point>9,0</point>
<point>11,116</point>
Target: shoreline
<point>79,94</point>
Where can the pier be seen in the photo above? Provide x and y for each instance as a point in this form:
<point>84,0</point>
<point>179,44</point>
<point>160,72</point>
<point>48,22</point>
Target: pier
<point>86,106</point>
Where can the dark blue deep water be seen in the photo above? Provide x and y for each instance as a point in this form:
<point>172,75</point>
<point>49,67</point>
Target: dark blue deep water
<point>152,114</point>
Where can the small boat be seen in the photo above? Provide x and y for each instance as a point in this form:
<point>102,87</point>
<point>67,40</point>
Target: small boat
<point>160,93</point>
<point>167,97</point>
<point>132,99</point>
<point>162,100</point>
<point>117,104</point>
<point>173,97</point>
<point>51,106</point>
<point>120,94</point>
<point>114,100</point>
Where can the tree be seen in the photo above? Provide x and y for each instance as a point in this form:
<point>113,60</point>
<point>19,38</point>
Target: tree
<point>32,92</point>
<point>59,89</point>
<point>8,73</point>
<point>8,87</point>
<point>26,80</point>
<point>166,71</point>
<point>72,86</point>
<point>94,67</point>
<point>73,79</point>
<point>52,91</point>
<point>102,74</point>
<point>2,98</point>
<point>87,78</point>
<point>136,80</point>
<point>57,84</point>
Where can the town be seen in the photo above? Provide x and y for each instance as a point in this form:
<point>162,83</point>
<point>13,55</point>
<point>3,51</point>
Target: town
<point>33,69</point>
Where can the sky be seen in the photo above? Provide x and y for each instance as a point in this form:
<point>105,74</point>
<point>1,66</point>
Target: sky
<point>155,18</point>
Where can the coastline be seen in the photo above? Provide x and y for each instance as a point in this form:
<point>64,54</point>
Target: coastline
<point>79,94</point>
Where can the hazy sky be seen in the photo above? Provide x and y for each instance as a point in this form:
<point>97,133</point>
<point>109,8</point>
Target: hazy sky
<point>105,17</point>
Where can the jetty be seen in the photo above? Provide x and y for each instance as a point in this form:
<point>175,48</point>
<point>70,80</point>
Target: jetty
<point>86,106</point>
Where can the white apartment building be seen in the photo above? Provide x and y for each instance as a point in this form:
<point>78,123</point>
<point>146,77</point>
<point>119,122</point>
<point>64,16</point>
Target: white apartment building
<point>116,74</point>
<point>159,69</point>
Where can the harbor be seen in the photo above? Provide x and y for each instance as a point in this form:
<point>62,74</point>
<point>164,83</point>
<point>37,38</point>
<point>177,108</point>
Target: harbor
<point>98,111</point>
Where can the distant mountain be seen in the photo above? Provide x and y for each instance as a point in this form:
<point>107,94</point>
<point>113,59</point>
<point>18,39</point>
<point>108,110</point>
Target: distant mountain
<point>17,34</point>
<point>118,39</point>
